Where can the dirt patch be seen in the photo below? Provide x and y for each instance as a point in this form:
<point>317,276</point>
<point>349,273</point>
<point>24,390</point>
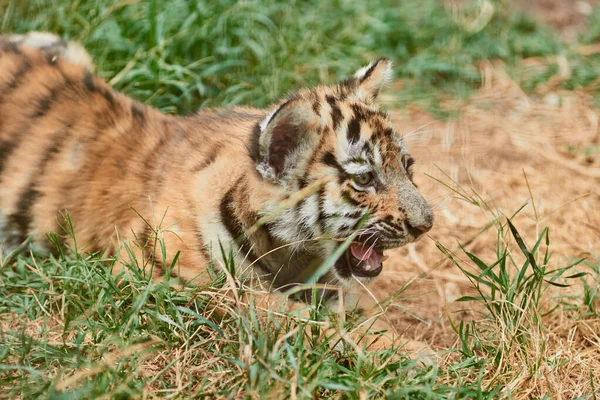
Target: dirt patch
<point>516,152</point>
<point>567,16</point>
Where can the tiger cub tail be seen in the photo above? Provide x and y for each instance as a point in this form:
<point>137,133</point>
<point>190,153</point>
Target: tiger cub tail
<point>51,44</point>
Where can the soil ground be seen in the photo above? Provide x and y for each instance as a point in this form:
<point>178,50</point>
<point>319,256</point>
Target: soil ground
<point>566,16</point>
<point>512,149</point>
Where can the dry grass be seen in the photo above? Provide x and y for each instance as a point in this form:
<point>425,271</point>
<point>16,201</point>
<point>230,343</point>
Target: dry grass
<point>503,140</point>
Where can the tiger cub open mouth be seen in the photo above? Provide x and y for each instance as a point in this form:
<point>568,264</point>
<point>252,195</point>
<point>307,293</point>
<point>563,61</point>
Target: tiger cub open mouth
<point>363,260</point>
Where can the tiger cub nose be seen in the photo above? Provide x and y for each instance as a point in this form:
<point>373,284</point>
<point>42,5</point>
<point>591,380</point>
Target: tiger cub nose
<point>418,230</point>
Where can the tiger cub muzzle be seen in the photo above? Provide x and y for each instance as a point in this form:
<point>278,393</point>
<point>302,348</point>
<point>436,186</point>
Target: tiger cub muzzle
<point>364,257</point>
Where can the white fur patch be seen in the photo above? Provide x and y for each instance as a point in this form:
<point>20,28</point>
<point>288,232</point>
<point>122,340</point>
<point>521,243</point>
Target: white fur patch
<point>372,79</point>
<point>36,39</point>
<point>361,72</point>
<point>70,51</point>
<point>267,172</point>
<point>356,168</point>
<point>263,124</point>
<point>377,157</point>
<point>309,213</point>
<point>386,73</point>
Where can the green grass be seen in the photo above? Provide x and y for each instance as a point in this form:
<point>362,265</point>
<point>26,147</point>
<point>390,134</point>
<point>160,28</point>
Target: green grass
<point>106,317</point>
<point>71,329</point>
<point>190,54</point>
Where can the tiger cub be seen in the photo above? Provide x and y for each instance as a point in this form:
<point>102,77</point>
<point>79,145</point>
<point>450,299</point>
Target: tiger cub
<point>278,189</point>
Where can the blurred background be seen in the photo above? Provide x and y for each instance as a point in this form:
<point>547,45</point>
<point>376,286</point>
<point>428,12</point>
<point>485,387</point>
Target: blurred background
<point>180,55</point>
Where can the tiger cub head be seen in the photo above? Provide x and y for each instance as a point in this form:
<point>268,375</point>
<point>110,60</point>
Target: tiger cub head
<point>338,133</point>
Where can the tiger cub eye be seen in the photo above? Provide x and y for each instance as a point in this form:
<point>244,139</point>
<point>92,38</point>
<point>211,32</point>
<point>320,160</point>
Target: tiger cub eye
<point>362,179</point>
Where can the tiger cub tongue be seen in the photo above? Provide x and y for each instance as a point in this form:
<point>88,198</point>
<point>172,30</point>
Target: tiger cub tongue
<point>368,255</point>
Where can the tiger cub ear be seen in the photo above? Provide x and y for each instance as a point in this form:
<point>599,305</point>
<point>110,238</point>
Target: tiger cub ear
<point>369,80</point>
<point>285,139</point>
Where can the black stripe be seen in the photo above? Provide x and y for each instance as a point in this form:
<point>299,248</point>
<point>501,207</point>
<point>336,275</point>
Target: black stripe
<point>388,220</point>
<point>253,144</point>
<point>158,267</point>
<point>228,218</point>
<point>363,113</point>
<point>15,81</point>
<point>51,59</point>
<point>316,103</point>
<point>371,69</point>
<point>385,227</point>
<point>90,84</point>
<point>212,154</point>
<point>201,246</point>
<point>408,163</point>
<point>88,81</point>
<point>302,183</point>
<point>138,112</point>
<point>322,215</point>
<point>304,180</point>
<point>278,111</point>
<point>347,196</point>
<point>142,237</point>
<point>44,104</point>
<point>356,224</point>
<point>301,203</point>
<point>235,227</point>
<point>350,227</point>
<point>354,214</point>
<point>11,47</point>
<point>368,148</point>
<point>336,113</point>
<point>21,219</point>
<point>58,140</point>
<point>354,130</point>
<point>360,113</point>
<point>348,83</point>
<point>329,159</point>
<point>109,97</point>
<point>7,147</point>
